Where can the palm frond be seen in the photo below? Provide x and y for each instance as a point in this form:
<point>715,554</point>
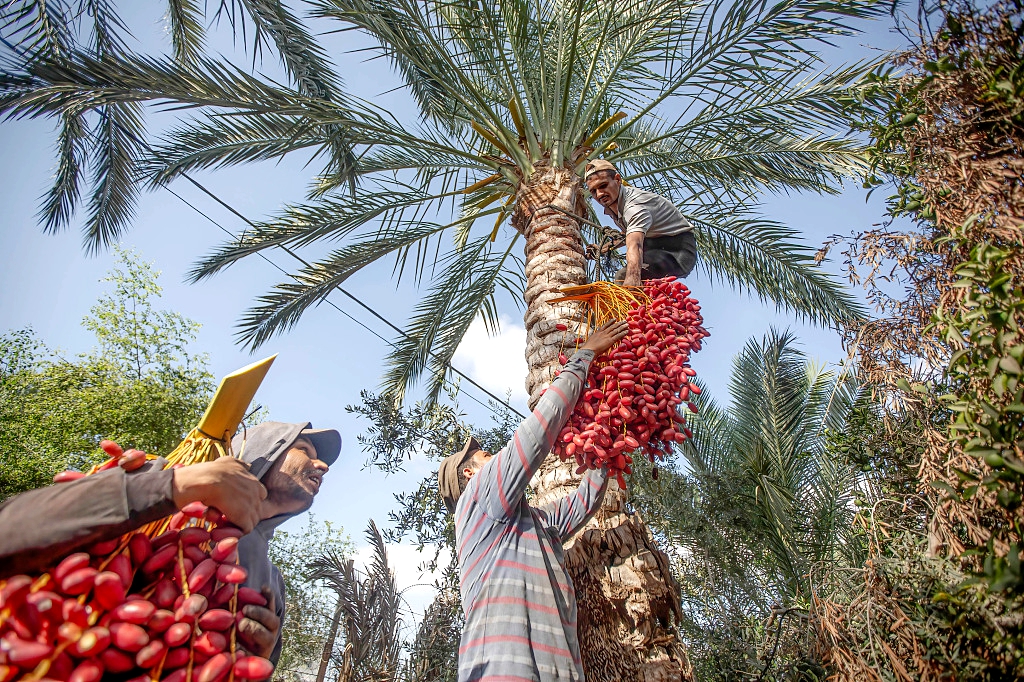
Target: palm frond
<point>62,198</point>
<point>107,31</point>
<point>297,226</point>
<point>408,49</point>
<point>462,291</point>
<point>84,83</point>
<point>37,27</point>
<point>188,34</point>
<point>282,308</point>
<point>306,62</point>
<point>370,604</point>
<point>226,140</point>
<point>119,147</point>
<point>764,258</point>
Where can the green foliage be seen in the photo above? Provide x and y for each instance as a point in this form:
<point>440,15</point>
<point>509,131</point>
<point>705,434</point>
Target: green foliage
<point>987,399</point>
<point>942,583</point>
<point>396,435</point>
<point>102,147</point>
<point>309,603</point>
<point>141,387</point>
<point>762,501</point>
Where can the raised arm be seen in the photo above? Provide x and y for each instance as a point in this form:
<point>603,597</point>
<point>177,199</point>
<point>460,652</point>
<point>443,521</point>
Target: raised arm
<point>501,483</point>
<point>39,526</point>
<point>570,513</point>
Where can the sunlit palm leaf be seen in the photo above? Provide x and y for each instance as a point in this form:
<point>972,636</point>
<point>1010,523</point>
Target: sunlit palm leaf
<point>37,26</point>
<point>188,34</point>
<point>218,141</point>
<point>764,259</point>
<point>115,165</point>
<point>281,308</point>
<point>464,290</point>
<point>72,149</point>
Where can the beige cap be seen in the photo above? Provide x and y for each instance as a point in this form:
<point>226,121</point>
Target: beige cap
<point>596,166</point>
<point>448,475</point>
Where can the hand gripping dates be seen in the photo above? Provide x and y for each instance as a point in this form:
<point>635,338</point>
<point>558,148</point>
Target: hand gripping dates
<point>630,400</point>
<point>161,604</point>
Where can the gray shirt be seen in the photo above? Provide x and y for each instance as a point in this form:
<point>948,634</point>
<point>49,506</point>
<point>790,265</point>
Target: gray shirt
<point>647,212</point>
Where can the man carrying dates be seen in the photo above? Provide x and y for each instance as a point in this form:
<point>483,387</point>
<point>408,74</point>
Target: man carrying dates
<point>279,470</point>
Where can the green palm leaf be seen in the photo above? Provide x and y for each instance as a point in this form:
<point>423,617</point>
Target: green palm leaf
<point>764,259</point>
<point>721,102</point>
<point>464,290</point>
<point>188,34</point>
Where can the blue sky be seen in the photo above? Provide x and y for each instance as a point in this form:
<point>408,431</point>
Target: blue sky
<point>48,283</point>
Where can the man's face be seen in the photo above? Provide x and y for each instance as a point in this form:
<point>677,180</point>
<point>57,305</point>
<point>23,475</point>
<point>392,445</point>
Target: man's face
<point>604,187</point>
<point>295,478</point>
<point>475,462</point>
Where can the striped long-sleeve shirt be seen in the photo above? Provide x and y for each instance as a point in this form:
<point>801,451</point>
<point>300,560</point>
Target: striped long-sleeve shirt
<point>519,601</point>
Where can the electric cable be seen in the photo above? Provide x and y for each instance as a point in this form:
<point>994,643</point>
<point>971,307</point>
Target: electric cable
<point>331,303</point>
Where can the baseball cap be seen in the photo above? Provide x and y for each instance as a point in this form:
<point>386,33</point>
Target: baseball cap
<point>596,166</point>
<point>448,473</point>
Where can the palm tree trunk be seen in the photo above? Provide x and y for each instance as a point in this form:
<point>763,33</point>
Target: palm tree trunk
<point>325,657</point>
<point>554,258</point>
<point>628,600</point>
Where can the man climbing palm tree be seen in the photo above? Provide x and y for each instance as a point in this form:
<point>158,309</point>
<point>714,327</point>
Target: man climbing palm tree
<point>659,239</point>
<point>519,601</point>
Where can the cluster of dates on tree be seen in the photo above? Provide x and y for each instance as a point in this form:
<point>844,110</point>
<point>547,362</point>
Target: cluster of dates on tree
<point>138,607</point>
<point>631,398</point>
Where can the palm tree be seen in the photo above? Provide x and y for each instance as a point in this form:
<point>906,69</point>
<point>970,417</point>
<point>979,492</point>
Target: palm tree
<point>773,439</point>
<point>764,501</point>
<point>709,102</point>
<point>368,612</point>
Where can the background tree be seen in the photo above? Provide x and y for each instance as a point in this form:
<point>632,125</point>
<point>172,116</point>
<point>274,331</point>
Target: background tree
<point>141,385</point>
<point>942,589</point>
<point>309,603</point>
<point>758,499</point>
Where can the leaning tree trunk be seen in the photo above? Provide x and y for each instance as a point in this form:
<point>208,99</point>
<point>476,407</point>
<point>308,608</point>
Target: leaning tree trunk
<point>628,600</point>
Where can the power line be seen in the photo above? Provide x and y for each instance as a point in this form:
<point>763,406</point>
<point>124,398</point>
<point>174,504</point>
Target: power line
<point>307,264</point>
<point>328,301</point>
<point>370,310</point>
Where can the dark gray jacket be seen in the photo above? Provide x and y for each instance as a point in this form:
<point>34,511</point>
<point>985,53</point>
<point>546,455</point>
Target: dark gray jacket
<point>263,445</point>
<point>40,526</point>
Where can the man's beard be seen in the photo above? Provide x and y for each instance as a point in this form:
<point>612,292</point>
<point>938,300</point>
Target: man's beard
<point>285,490</point>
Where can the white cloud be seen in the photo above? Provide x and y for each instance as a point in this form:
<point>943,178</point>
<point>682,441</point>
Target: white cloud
<point>497,362</point>
<point>405,561</point>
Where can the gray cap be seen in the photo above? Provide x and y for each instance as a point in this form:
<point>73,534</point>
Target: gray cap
<point>261,445</point>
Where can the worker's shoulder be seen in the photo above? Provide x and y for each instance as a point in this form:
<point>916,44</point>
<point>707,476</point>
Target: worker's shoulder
<point>636,199</point>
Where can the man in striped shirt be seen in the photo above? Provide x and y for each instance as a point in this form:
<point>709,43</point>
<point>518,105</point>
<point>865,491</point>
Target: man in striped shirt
<point>519,602</point>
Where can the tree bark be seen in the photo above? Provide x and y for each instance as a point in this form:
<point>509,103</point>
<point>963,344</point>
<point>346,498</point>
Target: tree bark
<point>554,258</point>
<point>325,656</point>
<point>628,599</point>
